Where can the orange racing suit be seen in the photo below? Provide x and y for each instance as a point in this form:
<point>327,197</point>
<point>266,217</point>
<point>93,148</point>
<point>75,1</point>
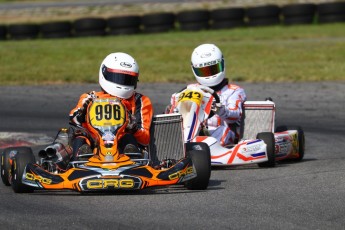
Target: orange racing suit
<point>140,106</point>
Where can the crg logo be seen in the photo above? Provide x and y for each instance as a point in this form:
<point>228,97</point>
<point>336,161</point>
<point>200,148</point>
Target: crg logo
<point>126,65</point>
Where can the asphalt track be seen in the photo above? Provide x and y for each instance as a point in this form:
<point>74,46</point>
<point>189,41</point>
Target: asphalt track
<point>305,195</point>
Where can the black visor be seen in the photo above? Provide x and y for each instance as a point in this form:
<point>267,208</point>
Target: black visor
<point>120,77</point>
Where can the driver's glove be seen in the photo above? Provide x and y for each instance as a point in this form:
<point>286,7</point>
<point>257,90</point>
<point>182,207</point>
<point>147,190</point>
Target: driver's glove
<point>132,125</point>
<point>219,109</point>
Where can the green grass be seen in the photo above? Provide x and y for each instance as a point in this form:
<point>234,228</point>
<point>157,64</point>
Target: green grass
<point>269,54</point>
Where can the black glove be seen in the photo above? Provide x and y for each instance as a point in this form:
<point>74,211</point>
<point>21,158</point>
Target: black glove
<point>132,125</point>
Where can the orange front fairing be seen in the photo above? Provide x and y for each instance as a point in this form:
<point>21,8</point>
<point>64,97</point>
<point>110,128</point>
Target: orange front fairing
<point>125,175</point>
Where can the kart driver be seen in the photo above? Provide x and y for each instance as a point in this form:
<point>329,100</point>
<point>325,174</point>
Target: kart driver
<point>208,67</point>
<point>118,77</point>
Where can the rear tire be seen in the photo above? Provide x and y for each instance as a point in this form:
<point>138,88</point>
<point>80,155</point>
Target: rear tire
<point>6,166</point>
<point>22,158</point>
<point>200,159</point>
<point>269,140</point>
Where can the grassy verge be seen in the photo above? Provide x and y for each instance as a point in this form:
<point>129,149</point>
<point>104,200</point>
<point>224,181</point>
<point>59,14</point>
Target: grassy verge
<point>298,53</point>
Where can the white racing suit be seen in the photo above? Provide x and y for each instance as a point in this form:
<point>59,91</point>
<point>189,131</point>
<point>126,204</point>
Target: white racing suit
<point>225,125</point>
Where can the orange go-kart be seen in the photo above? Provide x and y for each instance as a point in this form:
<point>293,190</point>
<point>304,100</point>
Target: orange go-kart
<point>105,168</point>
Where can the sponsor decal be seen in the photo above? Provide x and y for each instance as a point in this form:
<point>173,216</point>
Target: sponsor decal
<point>205,55</point>
<point>32,177</point>
<point>126,65</point>
<point>251,148</point>
<point>181,173</point>
<point>110,183</point>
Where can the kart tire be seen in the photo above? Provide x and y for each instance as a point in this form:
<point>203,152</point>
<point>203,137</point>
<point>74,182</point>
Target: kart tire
<point>22,158</point>
<point>269,140</point>
<point>199,146</point>
<point>6,166</point>
<point>200,159</point>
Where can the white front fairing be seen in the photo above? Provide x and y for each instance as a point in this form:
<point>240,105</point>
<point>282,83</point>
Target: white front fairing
<point>245,152</point>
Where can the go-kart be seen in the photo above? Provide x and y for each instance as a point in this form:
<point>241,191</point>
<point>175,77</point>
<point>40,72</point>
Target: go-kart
<point>104,168</point>
<point>257,142</point>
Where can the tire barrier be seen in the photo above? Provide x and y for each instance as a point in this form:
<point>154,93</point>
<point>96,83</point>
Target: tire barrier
<point>298,14</point>
<point>159,22</point>
<point>193,20</point>
<point>123,25</point>
<point>56,30</point>
<point>263,15</point>
<point>331,12</point>
<point>227,18</point>
<point>23,31</point>
<point>3,32</point>
<point>86,27</point>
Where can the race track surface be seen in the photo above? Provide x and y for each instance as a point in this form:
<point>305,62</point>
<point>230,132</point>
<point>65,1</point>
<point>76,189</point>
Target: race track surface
<point>305,195</point>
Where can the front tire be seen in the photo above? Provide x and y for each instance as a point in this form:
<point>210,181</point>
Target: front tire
<point>22,158</point>
<point>201,163</point>
<point>269,140</point>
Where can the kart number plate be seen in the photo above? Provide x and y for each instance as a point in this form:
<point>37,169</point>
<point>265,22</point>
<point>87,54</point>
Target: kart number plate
<point>107,112</point>
<point>190,95</point>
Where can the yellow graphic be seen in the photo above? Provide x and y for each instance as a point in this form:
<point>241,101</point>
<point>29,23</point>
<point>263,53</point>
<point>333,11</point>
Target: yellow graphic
<point>190,95</point>
<point>110,183</point>
<point>30,176</point>
<point>107,112</point>
<point>181,173</point>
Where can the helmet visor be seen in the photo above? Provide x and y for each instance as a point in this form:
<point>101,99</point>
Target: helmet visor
<point>120,77</point>
<point>208,71</point>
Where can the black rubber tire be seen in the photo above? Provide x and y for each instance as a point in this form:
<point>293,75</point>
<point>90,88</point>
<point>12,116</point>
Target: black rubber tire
<point>89,33</point>
<point>269,140</point>
<point>267,11</point>
<point>130,21</point>
<point>123,31</point>
<point>199,146</point>
<point>200,159</point>
<point>158,19</point>
<point>194,26</point>
<point>3,32</point>
<point>264,21</point>
<point>298,10</point>
<point>158,28</point>
<point>23,31</point>
<point>6,166</point>
<point>21,159</point>
<point>298,20</point>
<point>331,8</point>
<point>227,24</point>
<point>56,29</point>
<point>89,27</point>
<point>193,16</point>
<point>331,18</point>
<point>227,14</point>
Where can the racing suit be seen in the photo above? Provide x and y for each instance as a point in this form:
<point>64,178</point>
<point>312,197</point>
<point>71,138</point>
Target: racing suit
<point>139,105</point>
<point>225,125</point>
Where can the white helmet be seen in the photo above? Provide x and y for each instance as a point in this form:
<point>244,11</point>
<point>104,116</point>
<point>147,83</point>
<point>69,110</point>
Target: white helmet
<point>208,65</point>
<point>118,75</point>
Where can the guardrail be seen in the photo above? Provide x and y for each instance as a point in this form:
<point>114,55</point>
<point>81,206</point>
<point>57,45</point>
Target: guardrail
<point>225,18</point>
